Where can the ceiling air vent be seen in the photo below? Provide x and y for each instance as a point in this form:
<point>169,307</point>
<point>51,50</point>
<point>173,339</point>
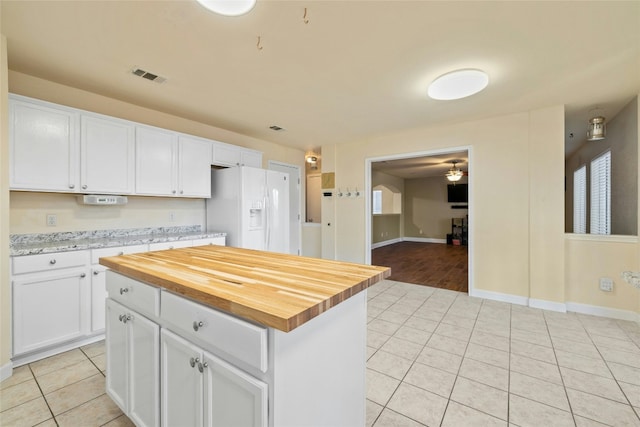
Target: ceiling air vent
<point>276,128</point>
<point>147,75</point>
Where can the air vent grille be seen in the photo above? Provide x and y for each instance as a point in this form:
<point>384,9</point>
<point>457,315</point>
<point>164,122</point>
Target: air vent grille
<point>276,128</point>
<point>148,75</point>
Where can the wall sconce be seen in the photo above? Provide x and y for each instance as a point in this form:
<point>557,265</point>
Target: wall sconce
<point>312,160</point>
<point>597,129</point>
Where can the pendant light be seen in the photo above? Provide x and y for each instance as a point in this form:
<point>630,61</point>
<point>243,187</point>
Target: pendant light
<point>454,174</point>
<point>228,7</point>
<point>597,129</point>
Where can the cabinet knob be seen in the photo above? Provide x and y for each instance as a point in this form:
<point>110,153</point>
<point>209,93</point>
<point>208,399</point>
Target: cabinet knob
<point>72,186</point>
<point>193,361</point>
<point>84,187</point>
<point>52,262</point>
<point>201,366</point>
<point>197,325</point>
<point>96,272</point>
<point>120,253</point>
<point>181,191</point>
<point>174,192</point>
<point>124,290</point>
<point>124,318</point>
<point>83,275</point>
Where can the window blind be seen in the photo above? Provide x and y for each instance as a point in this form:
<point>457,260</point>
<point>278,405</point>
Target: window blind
<point>580,200</point>
<point>601,194</point>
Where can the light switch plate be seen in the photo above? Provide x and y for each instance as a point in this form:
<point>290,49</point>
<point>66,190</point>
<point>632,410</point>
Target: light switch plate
<point>606,284</point>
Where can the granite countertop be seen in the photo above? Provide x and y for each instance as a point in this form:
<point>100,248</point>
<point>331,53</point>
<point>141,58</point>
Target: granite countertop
<point>31,244</point>
<point>281,291</point>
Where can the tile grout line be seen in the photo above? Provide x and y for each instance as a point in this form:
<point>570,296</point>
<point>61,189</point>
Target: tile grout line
<point>43,396</point>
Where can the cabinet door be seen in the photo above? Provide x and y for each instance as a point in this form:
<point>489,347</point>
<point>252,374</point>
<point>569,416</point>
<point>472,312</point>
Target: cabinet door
<point>117,355</point>
<point>49,308</point>
<point>144,371</point>
<point>107,155</point>
<point>182,382</point>
<point>156,162</point>
<point>232,397</point>
<point>251,158</point>
<point>43,147</point>
<point>194,167</point>
<point>98,297</point>
<point>225,155</point>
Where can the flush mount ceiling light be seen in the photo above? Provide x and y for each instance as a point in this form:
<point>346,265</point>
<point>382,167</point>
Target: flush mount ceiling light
<point>454,174</point>
<point>228,7</point>
<point>458,84</point>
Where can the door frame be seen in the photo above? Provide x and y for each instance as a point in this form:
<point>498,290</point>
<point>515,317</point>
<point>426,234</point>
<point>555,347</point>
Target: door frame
<point>367,198</point>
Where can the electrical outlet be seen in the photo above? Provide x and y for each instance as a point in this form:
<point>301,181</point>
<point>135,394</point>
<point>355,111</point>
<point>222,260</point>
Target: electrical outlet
<point>52,220</point>
<point>606,284</point>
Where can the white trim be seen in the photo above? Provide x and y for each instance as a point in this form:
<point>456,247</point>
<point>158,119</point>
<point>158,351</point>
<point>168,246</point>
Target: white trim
<point>23,359</point>
<point>6,371</point>
<point>499,296</point>
<point>548,305</point>
<point>386,243</point>
<point>424,240</point>
<point>595,310</point>
<point>614,238</point>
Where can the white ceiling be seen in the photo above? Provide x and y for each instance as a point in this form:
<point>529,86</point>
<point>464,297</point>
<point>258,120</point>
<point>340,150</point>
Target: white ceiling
<point>355,70</point>
<point>423,167</point>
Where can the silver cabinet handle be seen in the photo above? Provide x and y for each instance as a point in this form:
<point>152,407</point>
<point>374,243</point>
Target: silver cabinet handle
<point>193,361</point>
<point>174,191</point>
<point>52,262</point>
<point>124,290</point>
<point>197,325</point>
<point>126,318</point>
<point>83,275</point>
<point>120,253</point>
<point>72,186</point>
<point>181,191</point>
<point>201,366</point>
<point>96,272</point>
<point>84,187</point>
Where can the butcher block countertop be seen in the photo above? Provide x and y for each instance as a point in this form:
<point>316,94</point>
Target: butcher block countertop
<point>277,290</point>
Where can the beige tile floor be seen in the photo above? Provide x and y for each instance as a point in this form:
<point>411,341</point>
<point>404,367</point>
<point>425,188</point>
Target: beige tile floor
<point>63,390</point>
<point>435,358</point>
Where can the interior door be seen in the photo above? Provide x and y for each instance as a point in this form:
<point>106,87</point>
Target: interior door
<point>277,211</point>
<point>295,205</point>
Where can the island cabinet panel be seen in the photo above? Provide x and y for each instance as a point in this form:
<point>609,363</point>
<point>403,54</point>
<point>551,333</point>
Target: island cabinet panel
<point>134,294</point>
<point>133,363</point>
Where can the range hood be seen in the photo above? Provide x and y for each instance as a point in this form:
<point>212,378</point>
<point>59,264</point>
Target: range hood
<point>102,200</point>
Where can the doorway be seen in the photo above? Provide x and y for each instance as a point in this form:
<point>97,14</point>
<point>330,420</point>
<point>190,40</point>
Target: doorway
<point>423,243</point>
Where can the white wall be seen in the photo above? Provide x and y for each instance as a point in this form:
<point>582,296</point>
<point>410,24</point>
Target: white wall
<point>5,293</point>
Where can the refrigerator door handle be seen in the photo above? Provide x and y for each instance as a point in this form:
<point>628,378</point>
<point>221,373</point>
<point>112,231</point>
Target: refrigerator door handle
<point>267,221</point>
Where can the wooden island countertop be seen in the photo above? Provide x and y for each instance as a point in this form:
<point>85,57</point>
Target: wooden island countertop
<point>277,290</point>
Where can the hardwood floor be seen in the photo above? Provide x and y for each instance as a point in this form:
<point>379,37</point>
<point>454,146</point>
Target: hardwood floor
<point>433,264</point>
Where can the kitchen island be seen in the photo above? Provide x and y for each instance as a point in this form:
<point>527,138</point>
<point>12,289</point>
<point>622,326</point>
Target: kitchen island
<point>224,336</point>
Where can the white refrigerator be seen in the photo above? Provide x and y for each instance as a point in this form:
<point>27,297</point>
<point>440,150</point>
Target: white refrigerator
<point>251,205</point>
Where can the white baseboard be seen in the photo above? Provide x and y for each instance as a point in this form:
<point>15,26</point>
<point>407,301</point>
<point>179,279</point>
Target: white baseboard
<point>386,243</point>
<point>6,371</point>
<point>498,296</point>
<point>548,305</point>
<point>23,359</point>
<point>596,310</point>
<point>424,240</point>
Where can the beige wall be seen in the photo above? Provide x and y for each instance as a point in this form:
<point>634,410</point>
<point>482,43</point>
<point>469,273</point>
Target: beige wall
<point>5,291</point>
<point>387,227</point>
<point>427,213</point>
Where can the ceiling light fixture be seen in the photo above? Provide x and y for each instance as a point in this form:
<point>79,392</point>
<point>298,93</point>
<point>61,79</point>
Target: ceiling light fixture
<point>454,174</point>
<point>228,7</point>
<point>597,129</point>
<point>458,84</point>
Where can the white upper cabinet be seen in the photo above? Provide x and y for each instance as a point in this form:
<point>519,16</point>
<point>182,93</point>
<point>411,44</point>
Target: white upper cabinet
<point>232,155</point>
<point>44,149</point>
<point>107,155</point>
<point>156,162</point>
<point>194,167</point>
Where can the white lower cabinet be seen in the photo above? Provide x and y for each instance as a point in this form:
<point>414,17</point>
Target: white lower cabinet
<point>133,363</point>
<point>200,389</point>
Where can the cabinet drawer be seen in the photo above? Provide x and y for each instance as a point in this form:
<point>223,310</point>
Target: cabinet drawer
<point>96,254</point>
<point>220,241</point>
<point>216,330</point>
<point>133,294</point>
<point>47,262</point>
<point>170,245</point>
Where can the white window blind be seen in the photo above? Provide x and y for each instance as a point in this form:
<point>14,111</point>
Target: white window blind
<point>601,194</point>
<point>580,200</point>
<point>377,201</point>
